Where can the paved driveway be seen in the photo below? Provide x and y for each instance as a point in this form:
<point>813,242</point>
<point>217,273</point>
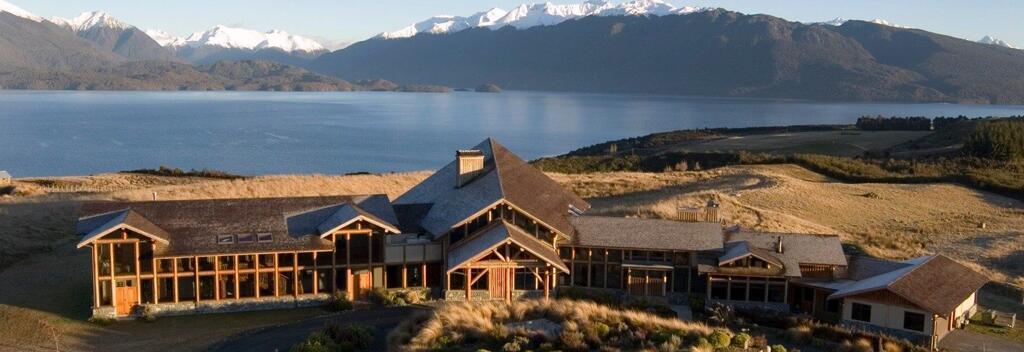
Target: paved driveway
<point>968,341</point>
<point>282,337</point>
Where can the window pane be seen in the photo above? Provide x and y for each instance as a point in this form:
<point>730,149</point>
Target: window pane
<point>227,286</point>
<point>245,262</point>
<point>913,321</point>
<point>305,281</point>
<point>614,276</point>
<point>776,293</point>
<point>615,256</point>
<point>165,289</point>
<point>206,287</point>
<point>104,259</point>
<point>861,312</point>
<point>757,292</point>
<point>597,276</point>
<point>147,290</point>
<point>719,290</point>
<point>580,271</point>
<point>246,285</point>
<point>124,258</point>
<point>738,291</point>
<point>186,289</point>
<point>206,263</point>
<point>266,284</point>
<point>414,275</point>
<point>394,276</point>
<point>105,293</point>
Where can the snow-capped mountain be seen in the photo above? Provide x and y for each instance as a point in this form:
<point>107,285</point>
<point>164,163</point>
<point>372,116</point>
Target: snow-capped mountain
<point>541,14</point>
<point>239,38</point>
<point>448,24</point>
<point>165,39</point>
<point>995,41</point>
<point>17,11</point>
<point>90,20</point>
<point>838,21</point>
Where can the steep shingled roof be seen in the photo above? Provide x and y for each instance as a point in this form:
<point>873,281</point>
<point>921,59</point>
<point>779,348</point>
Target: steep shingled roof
<point>936,283</point>
<point>632,233</point>
<point>505,176</point>
<point>192,226</point>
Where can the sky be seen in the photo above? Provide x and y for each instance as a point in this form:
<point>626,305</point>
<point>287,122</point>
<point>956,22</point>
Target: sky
<point>336,21</point>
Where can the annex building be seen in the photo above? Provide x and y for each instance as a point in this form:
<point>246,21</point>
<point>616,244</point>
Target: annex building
<point>489,226</point>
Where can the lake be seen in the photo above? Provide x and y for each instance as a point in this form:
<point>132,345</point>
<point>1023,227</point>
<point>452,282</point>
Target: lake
<point>76,133</point>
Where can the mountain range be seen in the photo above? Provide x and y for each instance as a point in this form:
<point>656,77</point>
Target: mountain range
<point>640,46</point>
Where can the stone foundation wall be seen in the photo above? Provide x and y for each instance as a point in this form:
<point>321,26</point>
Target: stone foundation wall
<point>781,307</point>
<point>222,306</point>
<point>460,295</point>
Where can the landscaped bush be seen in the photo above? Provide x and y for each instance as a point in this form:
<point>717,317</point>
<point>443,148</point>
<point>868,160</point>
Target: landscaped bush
<point>565,325</point>
<point>720,339</point>
<point>350,337</point>
<point>336,338</point>
<point>778,348</point>
<point>338,302</point>
<point>741,340</point>
<point>384,297</point>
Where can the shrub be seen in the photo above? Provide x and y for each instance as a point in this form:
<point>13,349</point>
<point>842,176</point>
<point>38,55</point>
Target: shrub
<point>353,337</point>
<point>674,343</point>
<point>799,334</point>
<point>890,346</point>
<point>413,295</point>
<point>1000,139</point>
<point>573,340</point>
<point>519,343</point>
<point>101,321</point>
<point>147,313</point>
<point>338,302</point>
<point>778,348</point>
<point>719,339</point>
<point>703,343</point>
<point>759,342</point>
<point>741,340</point>
<point>316,342</point>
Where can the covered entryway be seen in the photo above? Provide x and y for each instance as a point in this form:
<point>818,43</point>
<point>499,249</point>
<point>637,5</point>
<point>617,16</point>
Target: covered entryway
<point>646,280</point>
<point>501,261</point>
<point>363,283</point>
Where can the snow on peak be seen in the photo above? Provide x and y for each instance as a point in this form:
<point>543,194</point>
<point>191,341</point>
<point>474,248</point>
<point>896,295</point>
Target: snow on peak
<point>839,21</point>
<point>17,11</point>
<point>539,14</point>
<point>239,38</point>
<point>995,41</point>
<point>90,20</point>
<point>165,39</point>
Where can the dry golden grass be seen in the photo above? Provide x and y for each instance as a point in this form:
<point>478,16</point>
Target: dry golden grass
<point>886,220</point>
<point>470,323</point>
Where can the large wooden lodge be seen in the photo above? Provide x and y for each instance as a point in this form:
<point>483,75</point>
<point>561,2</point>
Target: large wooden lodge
<point>488,226</point>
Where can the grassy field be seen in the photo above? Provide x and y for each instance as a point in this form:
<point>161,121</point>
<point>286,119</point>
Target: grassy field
<point>46,280</point>
<point>838,143</point>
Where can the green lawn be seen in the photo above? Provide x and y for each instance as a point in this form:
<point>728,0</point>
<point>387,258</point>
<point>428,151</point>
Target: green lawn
<point>1016,333</point>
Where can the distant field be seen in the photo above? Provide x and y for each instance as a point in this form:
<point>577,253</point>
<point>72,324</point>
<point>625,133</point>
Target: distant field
<point>838,143</point>
<point>46,286</point>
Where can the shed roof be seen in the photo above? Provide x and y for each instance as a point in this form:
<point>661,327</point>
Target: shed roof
<point>192,226</point>
<point>504,177</point>
<point>634,233</point>
<point>936,283</point>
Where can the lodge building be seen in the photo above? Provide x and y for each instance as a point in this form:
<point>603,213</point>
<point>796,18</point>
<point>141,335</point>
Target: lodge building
<point>489,226</point>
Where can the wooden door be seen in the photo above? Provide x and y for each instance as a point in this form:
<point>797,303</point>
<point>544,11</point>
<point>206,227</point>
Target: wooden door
<point>363,284</point>
<point>498,283</point>
<point>126,297</point>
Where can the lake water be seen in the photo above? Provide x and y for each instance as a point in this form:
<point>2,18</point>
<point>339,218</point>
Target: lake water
<point>76,133</point>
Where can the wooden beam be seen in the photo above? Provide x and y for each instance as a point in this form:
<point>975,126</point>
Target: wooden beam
<point>295,274</point>
<point>334,263</point>
<point>156,281</point>
<point>547,286</point>
<point>256,276</point>
<point>316,277</point>
<point>348,267</point>
<point>138,276</point>
<point>423,270</point>
<point>469,275</point>
<point>277,275</point>
<point>196,278</point>
<point>175,264</point>
<point>216,280</point>
<point>238,286</point>
<point>95,276</point>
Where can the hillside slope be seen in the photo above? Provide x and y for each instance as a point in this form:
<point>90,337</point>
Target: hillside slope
<point>712,53</point>
<point>44,46</point>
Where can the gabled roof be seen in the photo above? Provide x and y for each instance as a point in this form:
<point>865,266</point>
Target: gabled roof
<point>375,209</point>
<point>935,283</point>
<point>632,233</point>
<point>798,247</point>
<point>495,235</point>
<point>742,249</point>
<point>93,228</point>
<point>505,177</point>
<point>192,226</point>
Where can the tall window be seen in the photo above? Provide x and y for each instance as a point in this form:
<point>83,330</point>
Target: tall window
<point>913,321</point>
<point>860,312</point>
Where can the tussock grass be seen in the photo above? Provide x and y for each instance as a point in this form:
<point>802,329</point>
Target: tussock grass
<point>485,324</point>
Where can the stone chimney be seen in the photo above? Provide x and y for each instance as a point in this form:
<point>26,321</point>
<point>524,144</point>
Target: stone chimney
<point>778,246</point>
<point>468,164</point>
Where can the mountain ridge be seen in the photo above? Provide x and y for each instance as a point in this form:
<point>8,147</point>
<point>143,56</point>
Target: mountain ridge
<point>705,53</point>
